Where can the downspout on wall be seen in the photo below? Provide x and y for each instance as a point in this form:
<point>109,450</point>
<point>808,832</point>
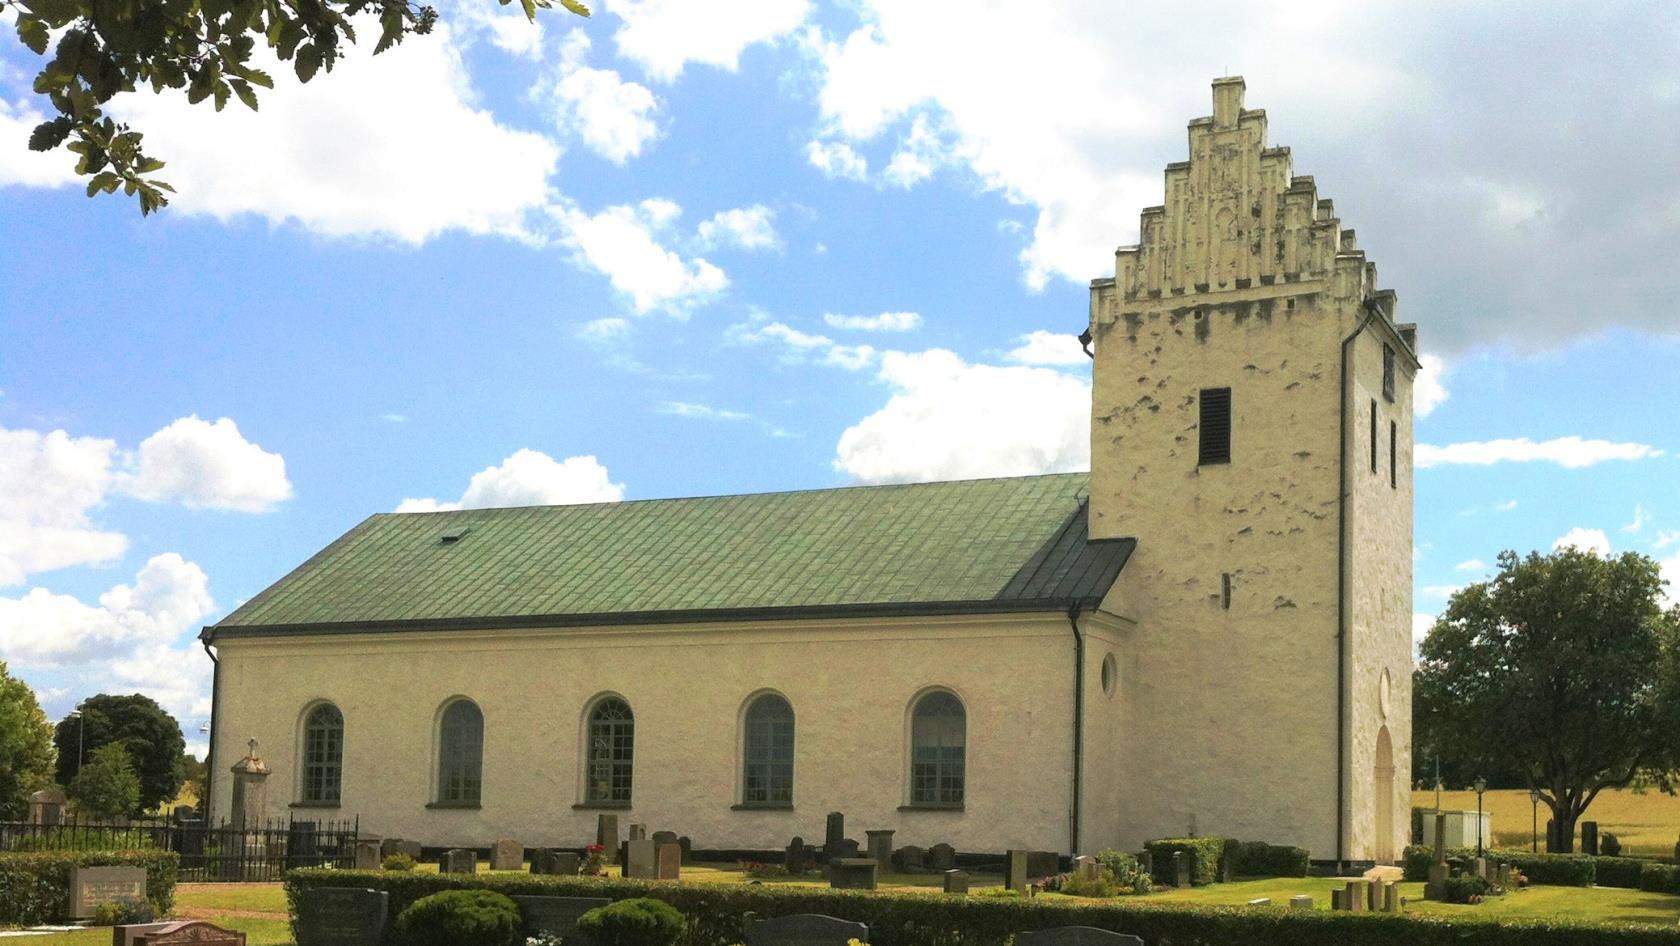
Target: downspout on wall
<point>1078,724</point>
<point>1343,489</point>
<point>205,637</point>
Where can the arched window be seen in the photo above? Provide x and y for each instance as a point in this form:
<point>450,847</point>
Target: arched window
<point>767,752</point>
<point>938,735</point>
<point>612,745</point>
<point>461,754</point>
<point>323,754</point>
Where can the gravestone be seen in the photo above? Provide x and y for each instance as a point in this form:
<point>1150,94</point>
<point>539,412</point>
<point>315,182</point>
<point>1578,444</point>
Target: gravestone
<point>1226,866</point>
<point>1076,936</point>
<point>834,833</point>
<point>641,859</point>
<point>367,854</point>
<point>1354,896</point>
<point>956,881</point>
<point>638,832</point>
<point>1589,838</point>
<point>1015,871</point>
<point>341,916</point>
<point>545,860</point>
<point>1085,867</point>
<point>391,846</point>
<point>1181,869</point>
<point>687,848</point>
<point>1260,902</point>
<point>250,775</point>
<point>507,854</point>
<point>1300,902</point>
<point>1478,866</point>
<point>1373,895</point>
<point>129,934</point>
<point>663,837</point>
<point>1338,899</point>
<point>879,844</point>
<point>1043,863</point>
<point>458,861</point>
<point>941,857</point>
<point>91,886</point>
<point>670,861</point>
<point>1436,886</point>
<point>804,929</point>
<point>1146,861</point>
<point>556,916</point>
<point>849,847</point>
<point>1391,898</point>
<point>799,856</point>
<point>46,807</point>
<point>909,858</point>
<point>852,873</point>
<point>606,831</point>
<point>191,933</point>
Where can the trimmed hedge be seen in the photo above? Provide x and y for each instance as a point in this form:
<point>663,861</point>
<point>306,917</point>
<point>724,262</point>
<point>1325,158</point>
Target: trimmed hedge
<point>35,887</point>
<point>1204,858</point>
<point>1617,871</point>
<point>1560,870</point>
<point>1659,878</point>
<point>715,914</point>
<point>1259,859</point>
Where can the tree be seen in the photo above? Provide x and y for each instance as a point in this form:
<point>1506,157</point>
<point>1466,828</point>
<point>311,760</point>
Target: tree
<point>106,787</point>
<point>1564,667</point>
<point>205,48</point>
<point>26,751</point>
<point>151,736</point>
<point>194,775</point>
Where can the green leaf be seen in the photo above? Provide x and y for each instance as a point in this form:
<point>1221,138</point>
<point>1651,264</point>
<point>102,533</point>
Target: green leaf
<point>222,93</point>
<point>33,33</point>
<point>575,7</point>
<point>148,166</point>
<point>530,7</point>
<point>308,61</point>
<point>57,12</point>
<point>253,76</point>
<point>50,134</point>
<point>242,89</point>
<point>105,181</point>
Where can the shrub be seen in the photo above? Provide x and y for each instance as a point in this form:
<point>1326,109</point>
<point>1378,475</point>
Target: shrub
<point>1259,859</point>
<point>398,861</point>
<point>119,913</point>
<point>640,921</point>
<point>1128,874</point>
<point>714,914</point>
<point>1466,888</point>
<point>762,869</point>
<point>1101,886</point>
<point>459,918</point>
<point>35,887</point>
<point>1617,872</point>
<point>1659,878</point>
<point>1204,858</point>
<point>1560,870</point>
<point>1609,845</point>
<point>107,786</point>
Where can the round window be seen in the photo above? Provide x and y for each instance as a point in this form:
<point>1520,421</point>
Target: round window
<point>1382,693</point>
<point>1110,675</point>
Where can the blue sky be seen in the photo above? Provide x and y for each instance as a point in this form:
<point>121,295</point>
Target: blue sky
<point>677,249</point>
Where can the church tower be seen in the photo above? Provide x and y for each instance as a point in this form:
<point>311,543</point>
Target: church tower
<point>1251,427</point>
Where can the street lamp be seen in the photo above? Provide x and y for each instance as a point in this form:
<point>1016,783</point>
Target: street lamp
<point>1534,820</point>
<point>1480,786</point>
<point>81,734</point>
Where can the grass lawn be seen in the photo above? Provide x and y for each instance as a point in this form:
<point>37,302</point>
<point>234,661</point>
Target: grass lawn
<point>1645,824</point>
<point>254,898</point>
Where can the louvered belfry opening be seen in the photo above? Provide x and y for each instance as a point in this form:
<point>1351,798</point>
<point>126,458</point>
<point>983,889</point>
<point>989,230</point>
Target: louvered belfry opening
<point>1215,426</point>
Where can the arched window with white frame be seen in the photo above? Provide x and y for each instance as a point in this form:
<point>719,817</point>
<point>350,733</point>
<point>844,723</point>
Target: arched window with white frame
<point>938,745</point>
<point>611,759</point>
<point>461,754</point>
<point>322,767</point>
<point>767,752</point>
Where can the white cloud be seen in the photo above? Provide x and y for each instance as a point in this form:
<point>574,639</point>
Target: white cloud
<point>602,330</point>
<point>666,35</point>
<point>1441,591</point>
<point>1421,623</point>
<point>18,164</point>
<point>49,483</point>
<point>1471,565</point>
<point>797,346</point>
<point>1048,348</point>
<point>613,117</point>
<point>390,145</point>
<point>1665,539</point>
<point>698,411</point>
<point>506,27</point>
<point>623,243</point>
<point>168,596</point>
<point>1505,506</point>
<point>1568,452</point>
<point>392,417</point>
<point>918,156</point>
<point>947,419</point>
<point>749,228</point>
<point>530,478</point>
<point>837,159</point>
<point>1587,540</point>
<point>885,322</point>
<point>1638,520</point>
<point>209,465</point>
<point>1429,389</point>
<point>1670,570</point>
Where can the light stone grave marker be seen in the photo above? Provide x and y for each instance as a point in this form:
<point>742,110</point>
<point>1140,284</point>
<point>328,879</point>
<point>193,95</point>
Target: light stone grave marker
<point>956,881</point>
<point>91,886</point>
<point>507,854</point>
<point>641,859</point>
<point>191,933</point>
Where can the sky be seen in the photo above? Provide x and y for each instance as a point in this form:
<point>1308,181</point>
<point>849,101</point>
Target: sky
<point>685,249</point>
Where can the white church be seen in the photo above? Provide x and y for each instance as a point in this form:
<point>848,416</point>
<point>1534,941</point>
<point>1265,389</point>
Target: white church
<point>1207,634</point>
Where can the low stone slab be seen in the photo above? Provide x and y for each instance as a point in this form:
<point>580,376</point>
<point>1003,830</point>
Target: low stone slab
<point>1076,936</point>
<point>91,886</point>
<point>341,916</point>
<point>191,933</point>
<point>1386,873</point>
<point>129,934</point>
<point>556,916</point>
<point>1300,902</point>
<point>805,929</point>
<point>956,881</point>
<point>852,873</point>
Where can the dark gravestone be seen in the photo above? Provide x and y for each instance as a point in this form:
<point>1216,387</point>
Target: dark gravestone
<point>805,929</point>
<point>1076,936</point>
<point>1043,863</point>
<point>556,916</point>
<point>835,834</point>
<point>191,933</point>
<point>606,831</point>
<point>956,881</point>
<point>941,857</point>
<point>1146,862</point>
<point>341,916</point>
<point>687,848</point>
<point>849,847</point>
<point>670,861</point>
<point>458,861</point>
<point>851,873</point>
<point>550,861</point>
<point>910,858</point>
<point>1589,838</point>
<point>130,934</point>
<point>91,886</point>
<point>799,857</point>
<point>391,846</point>
<point>663,837</point>
<point>1015,871</point>
<point>878,845</point>
<point>303,847</point>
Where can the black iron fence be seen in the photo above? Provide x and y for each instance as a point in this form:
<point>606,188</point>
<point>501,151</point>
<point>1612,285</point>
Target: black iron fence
<point>209,852</point>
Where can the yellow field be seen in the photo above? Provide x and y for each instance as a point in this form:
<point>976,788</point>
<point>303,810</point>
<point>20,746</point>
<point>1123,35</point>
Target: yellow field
<point>1646,823</point>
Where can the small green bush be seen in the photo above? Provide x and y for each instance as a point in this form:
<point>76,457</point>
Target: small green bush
<point>641,921</point>
<point>1204,858</point>
<point>1462,888</point>
<point>1659,878</point>
<point>120,913</point>
<point>1617,872</point>
<point>1128,874</point>
<point>1559,870</point>
<point>1259,859</point>
<point>459,918</point>
<point>398,861</point>
<point>1100,886</point>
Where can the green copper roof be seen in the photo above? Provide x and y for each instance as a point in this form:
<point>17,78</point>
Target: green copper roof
<point>977,545</point>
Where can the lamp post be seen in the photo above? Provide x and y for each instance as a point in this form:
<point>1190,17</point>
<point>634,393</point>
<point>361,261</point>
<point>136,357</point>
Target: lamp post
<point>1534,820</point>
<point>81,737</point>
<point>1480,786</point>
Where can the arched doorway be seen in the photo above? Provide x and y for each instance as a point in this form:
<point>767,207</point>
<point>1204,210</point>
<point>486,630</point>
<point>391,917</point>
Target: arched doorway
<point>1382,783</point>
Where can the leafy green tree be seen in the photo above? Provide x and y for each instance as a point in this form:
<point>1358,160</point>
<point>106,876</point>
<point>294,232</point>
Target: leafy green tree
<point>26,751</point>
<point>194,774</point>
<point>106,787</point>
<point>1563,667</point>
<point>204,48</point>
<point>151,736</point>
